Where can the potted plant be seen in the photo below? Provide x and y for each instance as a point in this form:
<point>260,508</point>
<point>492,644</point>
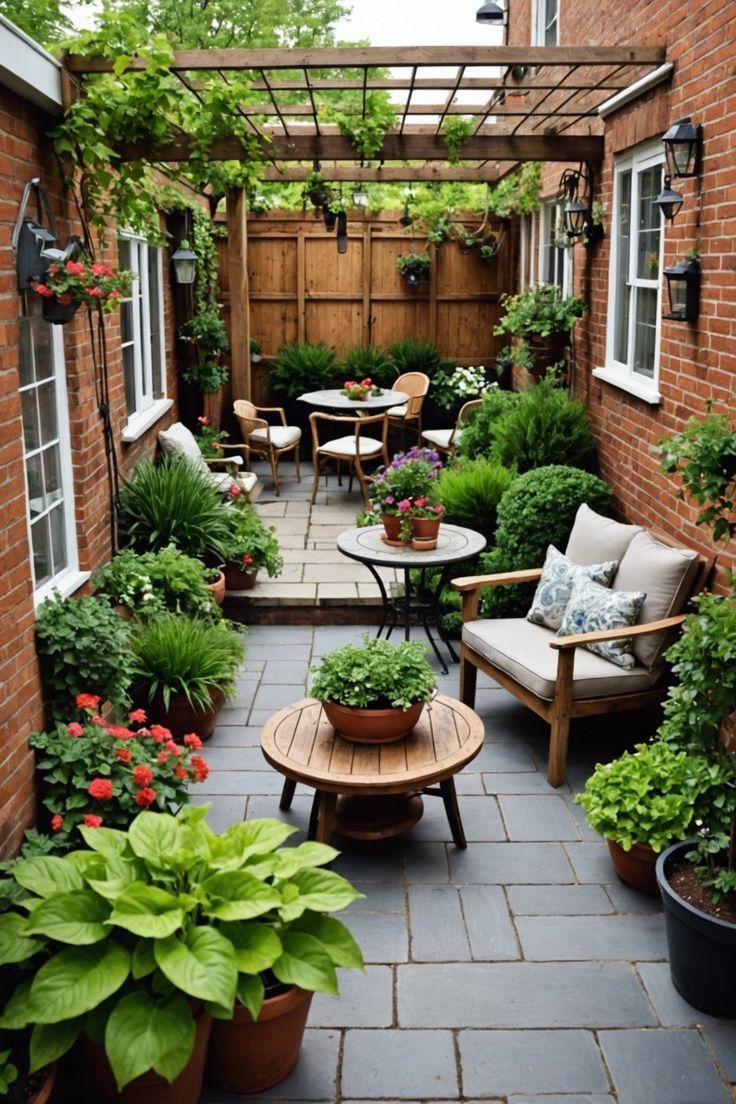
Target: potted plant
<point>183,671</point>
<point>67,286</point>
<point>316,191</point>
<point>252,546</point>
<point>147,584</point>
<point>414,267</point>
<point>19,1085</point>
<point>206,333</point>
<point>134,944</point>
<point>644,801</point>
<point>210,439</point>
<point>359,392</point>
<point>374,693</point>
<point>410,476</point>
<point>540,318</point>
<point>453,386</point>
<point>256,351</point>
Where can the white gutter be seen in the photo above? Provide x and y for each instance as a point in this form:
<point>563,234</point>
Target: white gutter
<point>26,68</point>
<point>638,88</point>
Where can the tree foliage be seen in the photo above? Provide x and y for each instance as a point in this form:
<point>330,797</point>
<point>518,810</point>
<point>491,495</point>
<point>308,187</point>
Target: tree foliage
<point>44,20</point>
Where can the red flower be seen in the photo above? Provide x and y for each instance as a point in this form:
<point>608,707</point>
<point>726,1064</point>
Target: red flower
<point>203,419</point>
<point>192,740</point>
<point>146,796</point>
<point>54,270</point>
<point>75,729</point>
<point>162,757</point>
<point>235,490</point>
<point>45,291</point>
<point>95,292</point>
<point>92,821</point>
<point>114,294</point>
<point>173,748</point>
<point>142,775</point>
<point>87,701</point>
<point>248,561</point>
<point>57,822</point>
<point>181,772</point>
<point>367,382</point>
<point>123,754</point>
<point>423,501</point>
<point>101,788</point>
<point>99,269</point>
<point>119,732</point>
<point>98,720</point>
<point>138,716</point>
<point>159,733</point>
<point>75,268</point>
<point>201,770</point>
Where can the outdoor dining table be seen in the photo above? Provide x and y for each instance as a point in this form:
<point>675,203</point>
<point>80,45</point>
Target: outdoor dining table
<point>333,399</point>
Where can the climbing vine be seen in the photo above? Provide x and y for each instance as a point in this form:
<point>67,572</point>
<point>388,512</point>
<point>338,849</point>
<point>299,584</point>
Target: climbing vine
<point>455,130</point>
<point>366,127</point>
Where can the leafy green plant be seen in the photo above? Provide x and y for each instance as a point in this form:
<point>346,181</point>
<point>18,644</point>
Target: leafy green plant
<point>173,503</point>
<point>369,361</point>
<point>118,941</point>
<point>316,190</point>
<point>411,355</point>
<point>413,265</point>
<point>151,583</point>
<point>451,385</point>
<point>455,130</point>
<point>704,456</point>
<point>303,367</point>
<point>180,655</point>
<point>210,439</point>
<point>471,491</point>
<point>518,193</point>
<point>365,126</point>
<point>206,332</point>
<point>376,675</point>
<point>8,1072</point>
<point>651,795</point>
<point>539,310</point>
<point>478,435</point>
<point>83,646</point>
<point>252,544</point>
<point>545,426</point>
<point>409,476</point>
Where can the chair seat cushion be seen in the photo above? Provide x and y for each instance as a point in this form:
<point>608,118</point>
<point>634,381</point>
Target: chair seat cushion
<point>441,437</point>
<point>281,436</point>
<point>223,481</point>
<point>178,440</point>
<point>345,446</point>
<point>397,411</point>
<point>522,651</point>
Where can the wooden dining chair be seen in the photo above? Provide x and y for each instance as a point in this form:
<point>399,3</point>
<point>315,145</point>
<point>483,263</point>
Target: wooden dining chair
<point>416,386</point>
<point>446,440</point>
<point>271,441</point>
<point>354,448</point>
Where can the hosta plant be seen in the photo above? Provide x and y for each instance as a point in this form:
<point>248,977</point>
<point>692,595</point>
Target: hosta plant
<point>123,940</point>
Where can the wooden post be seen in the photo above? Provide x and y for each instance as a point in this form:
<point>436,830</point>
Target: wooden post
<point>237,234</point>
<point>301,286</point>
<point>367,281</point>
<point>434,254</point>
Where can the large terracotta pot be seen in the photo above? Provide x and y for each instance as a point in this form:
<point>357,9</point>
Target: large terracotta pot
<point>235,579</point>
<point>635,867</point>
<point>249,1056</point>
<point>217,589</point>
<point>181,717</point>
<point>372,726</point>
<point>150,1088</point>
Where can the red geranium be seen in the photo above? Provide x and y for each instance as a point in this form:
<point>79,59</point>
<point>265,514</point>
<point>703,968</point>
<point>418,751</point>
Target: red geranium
<point>138,716</point>
<point>145,797</point>
<point>57,822</point>
<point>75,729</point>
<point>101,789</point>
<point>123,754</point>
<point>88,701</point>
<point>142,775</point>
<point>192,740</point>
<point>91,821</point>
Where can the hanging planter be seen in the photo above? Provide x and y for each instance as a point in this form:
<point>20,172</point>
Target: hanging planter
<point>60,310</point>
<point>414,268</point>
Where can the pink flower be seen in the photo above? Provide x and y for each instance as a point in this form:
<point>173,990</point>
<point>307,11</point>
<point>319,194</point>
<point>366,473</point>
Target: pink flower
<point>234,490</point>
<point>203,419</point>
<point>248,561</point>
<point>75,268</point>
<point>99,269</point>
<point>57,822</point>
<point>75,729</point>
<point>92,821</point>
<point>95,292</point>
<point>138,716</point>
<point>404,505</point>
<point>423,501</point>
<point>159,734</point>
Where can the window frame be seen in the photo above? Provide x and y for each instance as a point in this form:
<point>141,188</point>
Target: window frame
<point>550,207</point>
<point>150,397</point>
<point>540,24</point>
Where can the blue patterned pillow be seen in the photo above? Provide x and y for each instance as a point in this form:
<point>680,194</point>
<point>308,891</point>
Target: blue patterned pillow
<point>555,587</point>
<point>592,608</point>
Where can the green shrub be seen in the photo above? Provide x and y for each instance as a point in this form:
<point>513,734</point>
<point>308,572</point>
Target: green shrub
<point>156,582</point>
<point>545,426</point>
<point>471,492</point>
<point>83,648</point>
<point>478,432</point>
<point>415,356</point>
<point>178,655</point>
<point>173,503</point>
<point>369,362</point>
<point>302,367</point>
<point>538,509</point>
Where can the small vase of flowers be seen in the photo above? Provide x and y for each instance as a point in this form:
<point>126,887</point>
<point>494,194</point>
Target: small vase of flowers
<point>359,392</point>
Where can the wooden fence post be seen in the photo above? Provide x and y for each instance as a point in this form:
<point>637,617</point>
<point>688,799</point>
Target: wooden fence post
<point>237,235</point>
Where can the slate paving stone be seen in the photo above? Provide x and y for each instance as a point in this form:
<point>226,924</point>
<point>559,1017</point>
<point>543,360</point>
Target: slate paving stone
<point>626,899</point>
<point>400,1064</point>
<point>491,933</point>
<point>537,818</point>
<point>225,811</point>
<point>232,782</point>
<point>504,1062</point>
<point>591,862</point>
<point>587,1098</point>
<point>298,652</point>
<point>436,925</point>
<point>276,697</point>
<point>365,1000</point>
<point>426,862</point>
<point>504,758</point>
<point>511,864</point>
<point>521,994</point>
<point>521,783</point>
<point>379,897</point>
<point>382,863</point>
<point>260,717</point>
<point>469,781</point>
<point>267,805</point>
<point>234,735</point>
<point>671,1009</point>
<point>277,634</point>
<point>558,900</point>
<point>578,815</point>
<point>381,936</point>
<point>662,1067</point>
<point>572,938</point>
<point>480,816</point>
<point>234,758</point>
<point>721,1037</point>
<point>285,672</point>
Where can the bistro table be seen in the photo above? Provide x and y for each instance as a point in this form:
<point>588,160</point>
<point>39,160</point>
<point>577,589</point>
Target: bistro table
<point>333,399</point>
<point>454,544</point>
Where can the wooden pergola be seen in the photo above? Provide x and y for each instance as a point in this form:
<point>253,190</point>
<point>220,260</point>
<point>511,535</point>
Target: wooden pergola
<point>532,103</point>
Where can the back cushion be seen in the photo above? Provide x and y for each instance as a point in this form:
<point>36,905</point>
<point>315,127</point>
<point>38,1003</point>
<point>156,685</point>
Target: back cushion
<point>667,575</point>
<point>595,538</point>
<point>179,440</point>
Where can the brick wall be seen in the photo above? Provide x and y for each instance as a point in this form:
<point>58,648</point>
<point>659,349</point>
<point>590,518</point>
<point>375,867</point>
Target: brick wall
<point>698,361</point>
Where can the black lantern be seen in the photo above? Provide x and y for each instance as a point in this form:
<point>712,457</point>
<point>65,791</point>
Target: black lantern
<point>577,215</point>
<point>578,207</point>
<point>491,14</point>
<point>683,288</point>
<point>668,201</point>
<point>185,264</point>
<point>683,144</point>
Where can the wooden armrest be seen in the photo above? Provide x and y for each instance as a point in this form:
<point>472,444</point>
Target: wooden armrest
<point>231,448</point>
<point>476,582</point>
<point>564,643</point>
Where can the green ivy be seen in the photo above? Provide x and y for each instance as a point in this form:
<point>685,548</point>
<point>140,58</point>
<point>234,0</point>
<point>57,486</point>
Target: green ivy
<point>455,130</point>
<point>365,129</point>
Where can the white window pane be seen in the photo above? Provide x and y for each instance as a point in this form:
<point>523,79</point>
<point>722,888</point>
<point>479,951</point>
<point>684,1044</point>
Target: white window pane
<point>57,539</point>
<point>623,246</point>
<point>42,570</point>
<point>47,412</point>
<point>52,475</point>
<point>129,378</point>
<point>645,331</point>
<point>29,411</point>
<point>34,476</point>
<point>647,249</point>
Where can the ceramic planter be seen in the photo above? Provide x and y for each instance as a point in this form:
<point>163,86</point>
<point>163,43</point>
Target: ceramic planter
<point>182,717</point>
<point>636,866</point>
<point>249,1056</point>
<point>235,579</point>
<point>392,527</point>
<point>702,948</point>
<point>425,527</point>
<point>217,589</point>
<point>372,726</point>
<point>43,1093</point>
<point>424,544</point>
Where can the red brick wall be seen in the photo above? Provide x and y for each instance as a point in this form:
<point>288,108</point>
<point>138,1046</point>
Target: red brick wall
<point>25,153</point>
<point>698,361</point>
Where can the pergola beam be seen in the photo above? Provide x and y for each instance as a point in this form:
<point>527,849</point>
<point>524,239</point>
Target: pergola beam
<point>388,174</point>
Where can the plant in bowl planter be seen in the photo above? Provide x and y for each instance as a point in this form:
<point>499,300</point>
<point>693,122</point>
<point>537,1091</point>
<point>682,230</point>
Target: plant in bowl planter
<point>374,693</point>
<point>148,584</point>
<point>252,546</point>
<point>414,267</point>
<point>135,943</point>
<point>541,319</point>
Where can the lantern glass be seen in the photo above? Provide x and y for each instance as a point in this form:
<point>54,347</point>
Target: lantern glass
<point>185,265</point>
<point>682,144</point>
<point>576,216</point>
<point>683,290</point>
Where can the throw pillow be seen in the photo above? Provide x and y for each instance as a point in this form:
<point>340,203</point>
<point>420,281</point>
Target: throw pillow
<point>555,587</point>
<point>592,608</point>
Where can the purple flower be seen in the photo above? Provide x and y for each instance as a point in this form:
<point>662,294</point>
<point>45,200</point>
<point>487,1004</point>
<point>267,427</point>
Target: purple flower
<point>390,499</point>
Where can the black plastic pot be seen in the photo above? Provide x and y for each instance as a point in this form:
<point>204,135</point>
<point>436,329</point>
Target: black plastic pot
<point>59,313</point>
<point>702,948</point>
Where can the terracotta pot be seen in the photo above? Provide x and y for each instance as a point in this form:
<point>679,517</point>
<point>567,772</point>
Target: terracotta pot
<point>217,589</point>
<point>124,612</point>
<point>635,867</point>
<point>249,1056</point>
<point>547,351</point>
<point>424,544</point>
<point>372,726</point>
<point>425,527</point>
<point>44,1093</point>
<point>392,526</point>
<point>181,717</point>
<point>235,579</point>
<point>150,1088</point>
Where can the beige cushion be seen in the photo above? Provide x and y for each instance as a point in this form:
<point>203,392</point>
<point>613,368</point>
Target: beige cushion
<point>441,437</point>
<point>595,538</point>
<point>345,446</point>
<point>522,651</point>
<point>281,436</point>
<point>223,481</point>
<point>180,441</point>
<point>667,575</point>
<point>397,411</point>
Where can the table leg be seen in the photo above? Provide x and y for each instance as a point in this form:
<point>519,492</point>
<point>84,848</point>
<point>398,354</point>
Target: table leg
<point>384,599</point>
<point>326,816</point>
<point>449,797</point>
<point>407,604</point>
<point>287,793</point>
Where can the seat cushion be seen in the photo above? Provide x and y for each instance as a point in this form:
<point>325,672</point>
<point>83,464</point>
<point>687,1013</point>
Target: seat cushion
<point>522,651</point>
<point>180,441</point>
<point>555,587</point>
<point>397,411</point>
<point>441,437</point>
<point>281,436</point>
<point>345,446</point>
<point>222,481</point>
<point>593,608</point>
<point>595,538</point>
<point>667,575</point>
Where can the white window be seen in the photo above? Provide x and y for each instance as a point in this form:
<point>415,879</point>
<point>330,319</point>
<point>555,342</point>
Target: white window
<point>634,303</point>
<point>528,251</point>
<point>142,336</point>
<point>545,22</point>
<point>47,455</point>
<point>555,252</point>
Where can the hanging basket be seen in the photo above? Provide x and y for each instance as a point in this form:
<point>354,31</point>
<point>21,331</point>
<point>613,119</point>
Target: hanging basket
<point>58,312</point>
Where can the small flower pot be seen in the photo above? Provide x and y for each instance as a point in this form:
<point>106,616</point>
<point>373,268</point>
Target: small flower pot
<point>235,579</point>
<point>392,526</point>
<point>217,589</point>
<point>372,726</point>
<point>636,867</point>
<point>425,527</point>
<point>182,717</point>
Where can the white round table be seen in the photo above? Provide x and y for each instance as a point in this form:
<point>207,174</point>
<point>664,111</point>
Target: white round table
<point>333,399</point>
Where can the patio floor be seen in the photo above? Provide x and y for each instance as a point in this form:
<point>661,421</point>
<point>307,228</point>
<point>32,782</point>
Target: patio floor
<point>518,971</point>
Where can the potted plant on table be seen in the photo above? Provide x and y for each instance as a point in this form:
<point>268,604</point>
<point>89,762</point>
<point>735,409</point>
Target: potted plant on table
<point>540,318</point>
<point>133,945</point>
<point>251,546</point>
<point>374,693</point>
<point>411,476</point>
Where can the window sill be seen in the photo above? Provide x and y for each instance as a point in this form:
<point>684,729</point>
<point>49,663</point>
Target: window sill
<point>646,393</point>
<point>139,423</point>
<point>65,585</point>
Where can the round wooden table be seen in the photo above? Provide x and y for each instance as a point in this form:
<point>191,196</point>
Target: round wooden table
<point>367,791</point>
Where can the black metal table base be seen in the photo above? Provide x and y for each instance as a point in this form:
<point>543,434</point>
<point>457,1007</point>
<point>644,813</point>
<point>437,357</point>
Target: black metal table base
<point>424,604</point>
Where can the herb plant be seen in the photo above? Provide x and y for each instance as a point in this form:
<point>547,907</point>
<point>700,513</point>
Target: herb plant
<point>180,655</point>
<point>252,544</point>
<point>376,675</point>
<point>151,583</point>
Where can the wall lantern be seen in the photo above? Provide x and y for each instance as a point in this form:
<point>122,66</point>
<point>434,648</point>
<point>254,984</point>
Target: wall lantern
<point>576,188</point>
<point>683,146</point>
<point>683,288</point>
<point>668,201</point>
<point>490,14</point>
<point>185,264</point>
<point>360,197</point>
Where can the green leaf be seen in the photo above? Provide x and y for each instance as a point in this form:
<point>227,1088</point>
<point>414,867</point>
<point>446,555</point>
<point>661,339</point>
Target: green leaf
<point>144,960</point>
<point>237,895</point>
<point>321,890</point>
<point>251,837</point>
<point>305,963</point>
<point>200,965</point>
<point>256,946</point>
<point>51,1041</point>
<point>334,937</point>
<point>77,918</point>
<point>153,837</point>
<point>292,859</point>
<point>76,980</point>
<point>107,841</point>
<point>48,875</point>
<point>144,1034</point>
<point>14,947</point>
<point>148,911</point>
<point>250,994</point>
<point>15,1013</point>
